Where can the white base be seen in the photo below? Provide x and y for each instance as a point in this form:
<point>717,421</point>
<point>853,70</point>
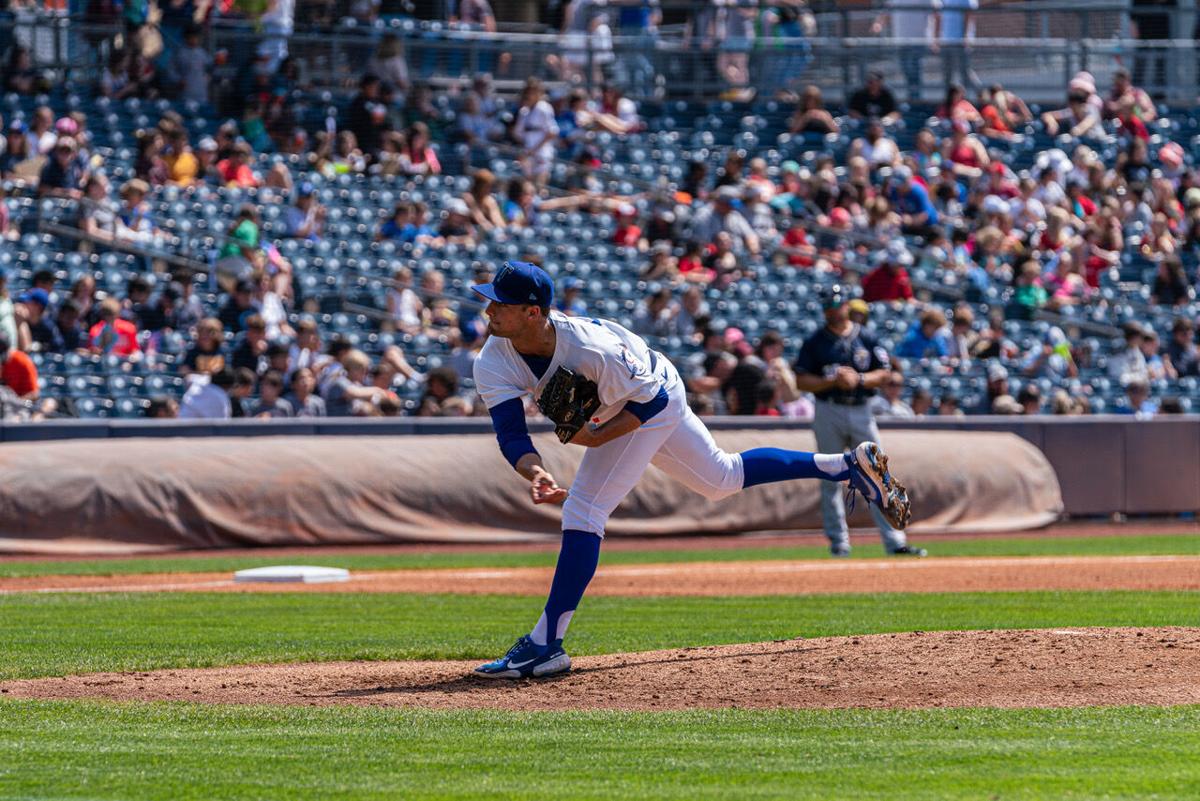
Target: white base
<point>304,574</point>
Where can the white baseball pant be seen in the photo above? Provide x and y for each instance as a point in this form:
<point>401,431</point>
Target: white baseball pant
<point>674,440</point>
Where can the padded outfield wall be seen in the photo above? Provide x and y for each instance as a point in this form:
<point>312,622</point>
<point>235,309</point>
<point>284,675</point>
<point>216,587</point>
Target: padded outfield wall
<point>1105,464</point>
<point>123,487</point>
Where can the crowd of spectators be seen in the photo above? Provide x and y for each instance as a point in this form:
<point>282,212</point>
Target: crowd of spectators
<point>940,199</point>
<point>1052,234</point>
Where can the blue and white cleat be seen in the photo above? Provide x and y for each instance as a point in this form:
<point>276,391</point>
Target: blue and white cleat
<point>527,660</point>
<point>869,475</point>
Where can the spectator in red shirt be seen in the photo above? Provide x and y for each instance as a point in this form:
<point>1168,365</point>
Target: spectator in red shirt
<point>235,170</point>
<point>1002,112</point>
<point>1127,100</point>
<point>628,233</point>
<point>113,334</point>
<point>750,391</point>
<point>957,107</point>
<point>691,265</point>
<point>18,371</point>
<point>1131,124</point>
<point>796,245</point>
<point>1082,206</point>
<point>889,281</point>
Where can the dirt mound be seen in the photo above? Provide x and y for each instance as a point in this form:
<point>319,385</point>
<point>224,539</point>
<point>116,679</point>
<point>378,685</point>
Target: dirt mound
<point>1040,668</point>
<point>954,574</point>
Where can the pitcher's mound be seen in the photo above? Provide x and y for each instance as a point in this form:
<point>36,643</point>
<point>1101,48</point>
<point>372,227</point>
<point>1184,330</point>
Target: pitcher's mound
<point>1039,668</point>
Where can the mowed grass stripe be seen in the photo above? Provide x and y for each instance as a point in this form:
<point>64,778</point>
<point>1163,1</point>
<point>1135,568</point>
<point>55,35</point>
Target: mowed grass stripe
<point>78,750</point>
<point>1027,545</point>
<point>48,635</point>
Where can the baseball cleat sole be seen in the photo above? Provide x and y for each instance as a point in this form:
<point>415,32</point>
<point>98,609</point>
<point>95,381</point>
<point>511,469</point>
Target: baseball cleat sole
<point>560,664</point>
<point>895,504</point>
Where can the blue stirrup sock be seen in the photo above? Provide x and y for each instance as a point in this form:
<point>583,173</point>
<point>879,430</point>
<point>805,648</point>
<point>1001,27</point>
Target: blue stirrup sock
<point>577,560</point>
<point>768,465</point>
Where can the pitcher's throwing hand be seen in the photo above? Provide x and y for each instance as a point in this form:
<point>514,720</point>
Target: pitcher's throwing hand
<point>544,489</point>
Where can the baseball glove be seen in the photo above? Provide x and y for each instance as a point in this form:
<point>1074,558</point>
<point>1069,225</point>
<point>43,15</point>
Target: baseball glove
<point>570,400</point>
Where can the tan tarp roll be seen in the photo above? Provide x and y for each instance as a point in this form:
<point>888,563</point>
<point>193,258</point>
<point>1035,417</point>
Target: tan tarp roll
<point>161,494</point>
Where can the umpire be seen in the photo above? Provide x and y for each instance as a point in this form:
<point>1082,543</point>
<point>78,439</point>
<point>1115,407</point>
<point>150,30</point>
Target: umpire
<point>842,365</point>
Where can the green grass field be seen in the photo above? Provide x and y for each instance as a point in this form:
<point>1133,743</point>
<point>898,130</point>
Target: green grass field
<point>102,750</point>
<point>1161,544</point>
<point>175,752</point>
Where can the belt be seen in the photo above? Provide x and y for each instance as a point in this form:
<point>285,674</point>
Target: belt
<point>850,402</point>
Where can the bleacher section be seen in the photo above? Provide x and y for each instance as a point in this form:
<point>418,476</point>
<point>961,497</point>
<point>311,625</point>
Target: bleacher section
<point>349,270</point>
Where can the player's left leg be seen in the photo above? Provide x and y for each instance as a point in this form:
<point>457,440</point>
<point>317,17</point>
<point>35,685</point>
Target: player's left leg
<point>606,475</point>
<point>693,458</point>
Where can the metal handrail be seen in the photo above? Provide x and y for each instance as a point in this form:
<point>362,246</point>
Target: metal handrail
<point>834,62</point>
<point>71,232</point>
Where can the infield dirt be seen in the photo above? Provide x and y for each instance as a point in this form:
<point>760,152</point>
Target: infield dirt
<point>952,574</point>
<point>1038,668</point>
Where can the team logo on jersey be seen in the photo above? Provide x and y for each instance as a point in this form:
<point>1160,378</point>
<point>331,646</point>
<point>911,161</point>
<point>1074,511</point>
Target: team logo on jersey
<point>632,363</point>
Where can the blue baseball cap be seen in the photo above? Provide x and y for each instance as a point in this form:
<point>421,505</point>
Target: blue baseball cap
<point>519,283</point>
<point>38,296</point>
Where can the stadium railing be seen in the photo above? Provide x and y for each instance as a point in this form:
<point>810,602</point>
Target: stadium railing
<point>1032,48</point>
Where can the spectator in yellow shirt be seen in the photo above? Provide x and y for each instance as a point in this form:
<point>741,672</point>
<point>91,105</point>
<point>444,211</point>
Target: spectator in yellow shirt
<point>182,166</point>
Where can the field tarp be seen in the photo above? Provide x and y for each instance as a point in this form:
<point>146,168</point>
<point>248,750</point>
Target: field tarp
<point>143,495</point>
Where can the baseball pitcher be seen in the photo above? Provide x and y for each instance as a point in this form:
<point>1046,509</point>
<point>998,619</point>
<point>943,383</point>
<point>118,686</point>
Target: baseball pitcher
<point>606,390</point>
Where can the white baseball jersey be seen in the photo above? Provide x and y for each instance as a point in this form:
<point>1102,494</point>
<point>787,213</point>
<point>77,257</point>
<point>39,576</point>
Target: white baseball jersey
<point>619,361</point>
<point>625,369</point>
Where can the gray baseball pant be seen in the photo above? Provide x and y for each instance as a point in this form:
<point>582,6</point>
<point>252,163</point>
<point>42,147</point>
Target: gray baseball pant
<point>840,428</point>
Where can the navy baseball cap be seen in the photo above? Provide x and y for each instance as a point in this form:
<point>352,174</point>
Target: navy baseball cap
<point>833,297</point>
<point>519,283</point>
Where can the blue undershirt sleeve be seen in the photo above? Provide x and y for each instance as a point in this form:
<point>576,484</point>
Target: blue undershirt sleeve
<point>644,411</point>
<point>508,420</point>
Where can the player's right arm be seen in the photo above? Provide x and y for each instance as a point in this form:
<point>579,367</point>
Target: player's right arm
<point>807,382</point>
<point>512,433</point>
<point>506,405</point>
